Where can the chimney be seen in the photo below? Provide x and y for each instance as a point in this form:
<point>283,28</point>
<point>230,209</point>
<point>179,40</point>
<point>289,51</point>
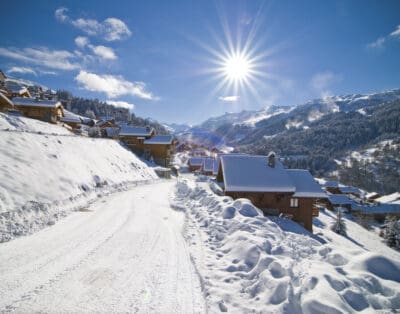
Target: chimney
<point>271,159</point>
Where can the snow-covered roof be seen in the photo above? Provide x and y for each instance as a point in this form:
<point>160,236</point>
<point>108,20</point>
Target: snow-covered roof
<point>33,102</point>
<point>244,173</point>
<point>305,184</point>
<point>71,117</point>
<point>349,189</point>
<point>371,195</point>
<point>135,130</point>
<point>195,161</point>
<point>159,139</point>
<point>208,164</point>
<point>330,184</point>
<point>112,131</point>
<point>339,199</point>
<point>393,198</point>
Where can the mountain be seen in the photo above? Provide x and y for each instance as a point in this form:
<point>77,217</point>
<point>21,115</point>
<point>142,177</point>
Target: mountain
<point>312,135</point>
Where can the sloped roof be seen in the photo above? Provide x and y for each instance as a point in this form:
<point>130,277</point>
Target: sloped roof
<point>33,102</point>
<point>195,161</point>
<point>349,189</point>
<point>135,130</point>
<point>71,117</point>
<point>339,199</point>
<point>159,139</point>
<point>393,198</point>
<point>305,184</point>
<point>244,173</point>
<point>112,131</point>
<point>208,164</point>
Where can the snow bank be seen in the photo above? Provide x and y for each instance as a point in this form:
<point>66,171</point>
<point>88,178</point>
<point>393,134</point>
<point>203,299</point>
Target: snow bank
<point>249,263</point>
<point>45,175</point>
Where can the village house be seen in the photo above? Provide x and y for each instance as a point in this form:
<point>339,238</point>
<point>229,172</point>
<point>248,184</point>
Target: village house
<point>207,166</point>
<point>71,119</point>
<point>13,89</point>
<point>160,149</point>
<point>134,137</point>
<point>350,190</point>
<point>45,110</point>
<point>194,163</point>
<point>268,185</point>
<point>339,200</point>
<point>5,103</point>
<point>2,76</point>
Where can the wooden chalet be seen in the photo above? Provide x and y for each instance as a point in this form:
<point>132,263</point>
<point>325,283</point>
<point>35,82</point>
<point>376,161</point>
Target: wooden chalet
<point>268,185</point>
<point>13,89</point>
<point>134,136</point>
<point>160,149</point>
<point>350,190</point>
<point>339,200</point>
<point>195,163</point>
<point>5,103</point>
<point>2,76</point>
<point>45,110</point>
<point>71,119</point>
<point>207,166</point>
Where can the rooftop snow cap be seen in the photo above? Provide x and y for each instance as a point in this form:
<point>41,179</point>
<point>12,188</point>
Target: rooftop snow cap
<point>271,159</point>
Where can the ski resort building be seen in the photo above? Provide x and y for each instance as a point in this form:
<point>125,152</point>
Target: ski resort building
<point>5,103</point>
<point>45,110</point>
<point>271,187</point>
<point>160,149</point>
<point>195,163</point>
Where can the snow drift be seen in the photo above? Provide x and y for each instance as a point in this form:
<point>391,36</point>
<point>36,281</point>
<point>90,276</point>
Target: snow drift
<point>46,171</point>
<point>251,264</point>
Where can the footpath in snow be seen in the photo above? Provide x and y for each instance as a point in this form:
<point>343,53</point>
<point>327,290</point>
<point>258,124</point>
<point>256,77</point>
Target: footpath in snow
<point>47,172</point>
<point>250,263</point>
<point>123,254</point>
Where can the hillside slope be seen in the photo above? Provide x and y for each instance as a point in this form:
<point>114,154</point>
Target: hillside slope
<point>47,171</point>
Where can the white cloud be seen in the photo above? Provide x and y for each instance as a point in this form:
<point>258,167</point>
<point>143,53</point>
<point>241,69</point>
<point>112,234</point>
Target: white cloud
<point>60,14</point>
<point>103,52</point>
<point>115,29</point>
<point>396,32</point>
<point>55,59</point>
<point>321,81</point>
<point>377,43</point>
<point>112,85</point>
<point>110,29</point>
<point>22,70</point>
<point>380,42</point>
<point>121,104</point>
<point>81,41</point>
<point>229,98</point>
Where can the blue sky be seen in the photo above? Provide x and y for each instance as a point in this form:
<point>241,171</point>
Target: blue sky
<point>167,59</point>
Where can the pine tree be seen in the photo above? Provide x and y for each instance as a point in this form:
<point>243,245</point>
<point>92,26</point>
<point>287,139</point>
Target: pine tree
<point>339,225</point>
<point>392,232</point>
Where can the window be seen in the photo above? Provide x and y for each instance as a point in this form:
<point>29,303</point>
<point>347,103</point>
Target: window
<point>294,202</point>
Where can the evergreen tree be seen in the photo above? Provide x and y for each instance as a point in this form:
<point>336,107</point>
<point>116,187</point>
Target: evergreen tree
<point>339,226</point>
<point>392,232</point>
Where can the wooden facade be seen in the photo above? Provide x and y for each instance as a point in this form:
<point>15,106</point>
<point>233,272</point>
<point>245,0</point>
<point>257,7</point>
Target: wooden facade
<point>47,111</point>
<point>161,154</point>
<point>268,201</point>
<point>5,103</point>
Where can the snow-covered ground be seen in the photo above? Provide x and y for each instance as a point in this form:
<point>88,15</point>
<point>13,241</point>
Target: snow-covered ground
<point>46,172</point>
<point>122,254</point>
<point>250,263</point>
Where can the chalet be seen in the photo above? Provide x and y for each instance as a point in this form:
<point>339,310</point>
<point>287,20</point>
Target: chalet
<point>339,200</point>
<point>134,136</point>
<point>207,166</point>
<point>194,163</point>
<point>330,186</point>
<point>159,148</point>
<point>71,119</point>
<point>45,110</point>
<point>271,187</point>
<point>350,190</point>
<point>372,196</point>
<point>5,103</point>
<point>15,90</point>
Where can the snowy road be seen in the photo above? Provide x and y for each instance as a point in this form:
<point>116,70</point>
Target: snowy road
<point>124,253</point>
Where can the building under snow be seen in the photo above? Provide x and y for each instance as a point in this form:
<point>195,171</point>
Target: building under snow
<point>271,187</point>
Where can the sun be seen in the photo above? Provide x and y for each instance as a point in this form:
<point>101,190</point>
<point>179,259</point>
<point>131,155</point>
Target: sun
<point>237,67</point>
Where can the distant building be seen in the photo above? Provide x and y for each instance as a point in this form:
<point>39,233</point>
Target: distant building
<point>45,110</point>
<point>13,89</point>
<point>207,166</point>
<point>71,119</point>
<point>195,163</point>
<point>271,187</point>
<point>134,137</point>
<point>160,149</point>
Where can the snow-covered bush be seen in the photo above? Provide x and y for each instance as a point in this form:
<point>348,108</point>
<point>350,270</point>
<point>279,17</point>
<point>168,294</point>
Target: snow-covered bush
<point>339,226</point>
<point>392,232</point>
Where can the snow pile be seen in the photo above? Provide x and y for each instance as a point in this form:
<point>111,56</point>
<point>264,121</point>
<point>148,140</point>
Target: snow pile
<point>47,172</point>
<point>249,263</point>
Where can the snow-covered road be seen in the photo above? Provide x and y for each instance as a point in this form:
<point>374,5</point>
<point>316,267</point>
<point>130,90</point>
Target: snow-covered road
<point>124,253</point>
